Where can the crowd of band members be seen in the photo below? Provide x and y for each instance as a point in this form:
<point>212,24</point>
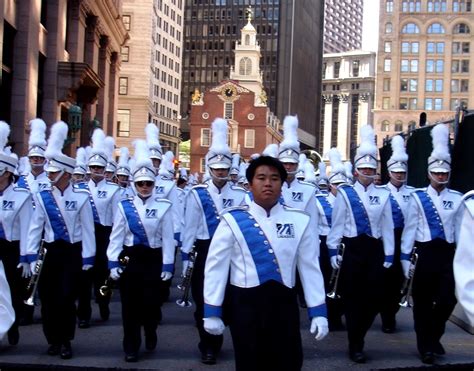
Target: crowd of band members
<point>99,220</point>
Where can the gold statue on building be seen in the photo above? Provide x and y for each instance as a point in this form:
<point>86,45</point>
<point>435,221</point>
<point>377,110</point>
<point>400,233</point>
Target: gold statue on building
<point>196,97</point>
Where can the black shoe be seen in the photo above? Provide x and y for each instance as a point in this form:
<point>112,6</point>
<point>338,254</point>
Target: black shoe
<point>131,357</point>
<point>84,324</point>
<point>13,336</point>
<point>66,351</point>
<point>104,311</point>
<point>208,358</point>
<point>438,349</point>
<point>150,341</point>
<point>54,349</point>
<point>428,358</point>
<point>358,357</point>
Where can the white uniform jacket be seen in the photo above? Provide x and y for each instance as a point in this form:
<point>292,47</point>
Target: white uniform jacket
<point>258,247</point>
<point>350,220</point>
<point>15,216</point>
<point>400,201</point>
<point>464,257</point>
<point>37,183</point>
<point>430,215</point>
<point>147,223</point>
<point>166,189</point>
<point>181,208</point>
<point>301,195</point>
<point>127,192</point>
<point>106,196</point>
<point>325,204</point>
<point>7,314</point>
<point>73,221</point>
<point>195,220</point>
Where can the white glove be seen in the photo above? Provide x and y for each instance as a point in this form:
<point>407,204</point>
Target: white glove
<point>387,264</point>
<point>86,267</point>
<point>115,273</point>
<point>336,261</point>
<point>165,276</point>
<point>406,268</point>
<point>32,267</point>
<point>25,267</point>
<point>319,326</point>
<point>185,266</point>
<point>214,325</point>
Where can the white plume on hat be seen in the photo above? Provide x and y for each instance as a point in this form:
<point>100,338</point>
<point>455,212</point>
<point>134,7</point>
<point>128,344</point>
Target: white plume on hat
<point>81,161</point>
<point>399,158</point>
<point>322,170</point>
<point>167,166</point>
<point>309,175</point>
<point>4,134</point>
<point>337,173</point>
<point>24,166</point>
<point>37,137</point>
<point>290,146</point>
<point>123,167</point>
<point>302,159</point>
<point>366,154</point>
<point>98,142</point>
<point>349,170</point>
<point>183,173</point>
<point>254,156</point>
<point>440,158</point>
<point>57,137</point>
<point>219,155</point>
<point>153,140</point>
<point>109,147</point>
<point>234,169</point>
<point>243,173</point>
<point>143,169</point>
<point>271,150</point>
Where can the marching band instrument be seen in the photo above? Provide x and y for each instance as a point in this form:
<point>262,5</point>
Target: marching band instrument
<point>106,289</point>
<point>407,300</point>
<point>334,280</point>
<point>185,285</point>
<point>33,283</point>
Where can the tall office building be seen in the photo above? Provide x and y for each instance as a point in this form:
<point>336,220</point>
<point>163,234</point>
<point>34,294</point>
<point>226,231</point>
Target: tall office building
<point>343,25</point>
<point>423,68</point>
<point>290,37</point>
<point>150,80</point>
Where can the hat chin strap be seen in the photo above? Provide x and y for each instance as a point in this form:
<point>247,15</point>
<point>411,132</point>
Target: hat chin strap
<point>398,180</point>
<point>366,176</point>
<point>211,172</point>
<point>437,181</point>
<point>145,195</point>
<point>55,180</point>
<point>38,165</point>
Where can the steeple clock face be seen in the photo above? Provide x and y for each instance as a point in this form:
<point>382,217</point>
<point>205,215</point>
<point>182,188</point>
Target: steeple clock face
<point>229,92</point>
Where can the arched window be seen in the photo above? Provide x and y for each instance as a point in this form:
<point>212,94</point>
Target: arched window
<point>385,126</point>
<point>398,126</point>
<point>461,28</point>
<point>245,66</point>
<point>436,28</point>
<point>388,27</point>
<point>247,39</point>
<point>410,28</point>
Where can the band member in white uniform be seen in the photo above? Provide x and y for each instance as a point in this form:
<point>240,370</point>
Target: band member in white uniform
<point>261,246</point>
<point>7,314</point>
<point>123,175</point>
<point>430,227</point>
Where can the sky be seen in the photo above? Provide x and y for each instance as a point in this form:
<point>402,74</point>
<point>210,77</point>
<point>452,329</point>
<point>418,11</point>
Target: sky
<point>370,28</point>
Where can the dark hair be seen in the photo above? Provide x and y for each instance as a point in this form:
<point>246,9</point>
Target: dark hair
<point>181,181</point>
<point>268,161</point>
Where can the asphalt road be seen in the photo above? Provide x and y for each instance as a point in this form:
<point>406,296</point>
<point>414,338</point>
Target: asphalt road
<point>100,346</point>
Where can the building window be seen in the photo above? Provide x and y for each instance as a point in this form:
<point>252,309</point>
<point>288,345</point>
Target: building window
<point>205,137</point>
<point>459,86</point>
<point>435,104</point>
<point>127,19</point>
<point>388,27</point>
<point>412,102</point>
<point>434,65</point>
<point>436,28</point>
<point>436,6</point>
<point>123,122</point>
<point>410,28</point>
<point>434,85</point>
<point>460,47</point>
<point>387,66</point>
<point>398,126</point>
<point>386,84</point>
<point>389,6</point>
<point>385,126</point>
<point>410,47</point>
<point>411,6</point>
<point>324,70</point>
<point>460,66</point>
<point>461,28</point>
<point>123,85</point>
<point>387,47</point>
<point>228,110</point>
<point>386,103</point>
<point>245,66</point>
<point>455,102</point>
<point>203,164</point>
<point>403,103</point>
<point>355,68</point>
<point>125,53</point>
<point>462,5</point>
<point>435,48</point>
<point>249,138</point>
<point>337,67</point>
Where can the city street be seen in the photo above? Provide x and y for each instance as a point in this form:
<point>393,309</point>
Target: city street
<point>100,346</point>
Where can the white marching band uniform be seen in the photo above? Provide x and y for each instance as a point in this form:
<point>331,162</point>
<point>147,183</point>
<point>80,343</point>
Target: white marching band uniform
<point>106,196</point>
<point>7,314</point>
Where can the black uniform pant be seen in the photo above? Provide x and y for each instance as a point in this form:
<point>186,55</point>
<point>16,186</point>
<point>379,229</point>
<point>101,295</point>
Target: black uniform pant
<point>334,306</point>
<point>140,292</point>
<point>208,342</point>
<point>95,277</point>
<point>58,290</point>
<point>362,284</point>
<point>393,280</point>
<point>433,292</point>
<point>10,256</point>
<point>265,327</point>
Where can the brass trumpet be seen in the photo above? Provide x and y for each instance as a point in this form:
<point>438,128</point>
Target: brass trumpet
<point>185,285</point>
<point>106,289</point>
<point>334,280</point>
<point>33,283</point>
<point>407,300</point>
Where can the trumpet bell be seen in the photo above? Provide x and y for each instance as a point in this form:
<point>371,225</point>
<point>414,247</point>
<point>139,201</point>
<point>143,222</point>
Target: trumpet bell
<point>105,291</point>
<point>184,303</point>
<point>30,301</point>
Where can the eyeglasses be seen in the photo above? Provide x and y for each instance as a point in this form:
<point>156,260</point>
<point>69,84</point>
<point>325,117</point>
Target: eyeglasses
<point>144,183</point>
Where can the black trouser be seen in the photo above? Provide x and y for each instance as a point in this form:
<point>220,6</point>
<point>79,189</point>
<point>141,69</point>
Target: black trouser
<point>393,280</point>
<point>362,285</point>
<point>95,277</point>
<point>433,292</point>
<point>140,288</point>
<point>334,306</point>
<point>265,327</point>
<point>58,290</point>
<point>10,256</point>
<point>208,342</point>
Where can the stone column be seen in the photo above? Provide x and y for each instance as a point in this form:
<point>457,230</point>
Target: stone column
<point>104,73</point>
<point>76,32</point>
<point>365,111</point>
<point>92,42</point>
<point>327,123</point>
<point>113,93</point>
<point>343,126</point>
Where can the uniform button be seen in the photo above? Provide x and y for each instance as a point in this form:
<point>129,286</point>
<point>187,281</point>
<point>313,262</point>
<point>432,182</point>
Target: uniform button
<point>251,217</point>
<point>265,242</point>
<point>270,251</point>
<point>256,225</point>
<point>260,233</point>
<point>278,270</point>
<point>274,260</point>
<point>217,217</point>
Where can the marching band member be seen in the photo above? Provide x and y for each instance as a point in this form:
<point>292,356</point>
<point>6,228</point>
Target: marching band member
<point>80,171</point>
<point>142,231</point>
<point>123,174</point>
<point>7,313</point>
<point>111,167</point>
<point>63,216</point>
<point>261,245</point>
<point>203,204</point>
<point>234,169</point>
<point>362,220</point>
<point>430,227</point>
<point>153,142</point>
<point>464,257</point>
<point>322,180</point>
<point>397,167</point>
<point>105,196</point>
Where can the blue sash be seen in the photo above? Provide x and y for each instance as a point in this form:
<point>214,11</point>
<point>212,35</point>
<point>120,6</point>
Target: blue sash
<point>2,232</point>
<point>360,214</point>
<point>326,207</point>
<point>135,223</point>
<point>397,215</point>
<point>259,246</point>
<point>23,183</point>
<point>91,201</point>
<point>432,217</point>
<point>210,210</point>
<point>55,217</point>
